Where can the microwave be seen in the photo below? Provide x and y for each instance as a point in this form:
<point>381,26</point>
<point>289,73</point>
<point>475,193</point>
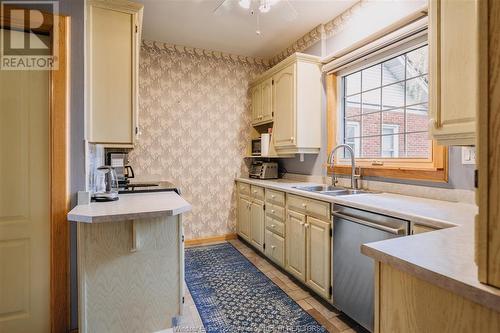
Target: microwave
<point>256,147</point>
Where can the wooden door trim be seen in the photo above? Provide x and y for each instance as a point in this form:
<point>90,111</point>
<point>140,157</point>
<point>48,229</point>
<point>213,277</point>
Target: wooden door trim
<point>58,161</point>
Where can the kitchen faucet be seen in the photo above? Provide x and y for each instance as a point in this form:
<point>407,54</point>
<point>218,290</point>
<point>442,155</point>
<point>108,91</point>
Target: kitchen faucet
<point>331,160</point>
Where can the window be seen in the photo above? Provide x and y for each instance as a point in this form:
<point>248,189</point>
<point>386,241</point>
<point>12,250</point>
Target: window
<point>388,102</point>
<point>378,104</point>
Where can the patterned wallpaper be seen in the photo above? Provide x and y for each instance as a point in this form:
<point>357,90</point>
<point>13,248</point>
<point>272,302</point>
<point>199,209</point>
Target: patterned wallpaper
<point>195,124</point>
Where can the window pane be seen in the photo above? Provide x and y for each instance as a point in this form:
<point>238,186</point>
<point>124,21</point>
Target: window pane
<point>394,119</point>
<point>416,121</point>
<point>417,90</point>
<point>353,84</point>
<point>353,128</point>
<point>418,145</point>
<point>370,124</point>
<point>393,96</point>
<point>372,77</point>
<point>393,70</point>
<point>418,108</point>
<point>371,101</point>
<point>390,144</point>
<point>417,62</point>
<point>370,147</point>
<point>353,106</point>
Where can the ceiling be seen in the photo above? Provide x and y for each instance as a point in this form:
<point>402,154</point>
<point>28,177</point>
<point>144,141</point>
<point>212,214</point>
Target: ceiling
<point>231,28</point>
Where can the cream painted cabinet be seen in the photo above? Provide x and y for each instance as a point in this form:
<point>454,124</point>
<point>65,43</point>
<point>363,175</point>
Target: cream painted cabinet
<point>296,244</point>
<point>289,96</point>
<point>454,78</point>
<point>244,209</point>
<point>112,78</point>
<point>284,130</point>
<point>318,256</point>
<point>262,104</point>
<point>257,224</point>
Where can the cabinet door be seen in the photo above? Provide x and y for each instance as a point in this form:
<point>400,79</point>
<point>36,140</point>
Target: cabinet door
<point>453,79</point>
<point>275,248</point>
<point>295,240</point>
<point>257,224</point>
<point>244,218</point>
<point>113,69</point>
<point>267,100</point>
<point>318,256</point>
<point>257,103</point>
<point>284,107</point>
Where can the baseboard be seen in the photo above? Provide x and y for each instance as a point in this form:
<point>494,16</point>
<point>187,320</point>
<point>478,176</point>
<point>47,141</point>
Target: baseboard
<point>208,240</point>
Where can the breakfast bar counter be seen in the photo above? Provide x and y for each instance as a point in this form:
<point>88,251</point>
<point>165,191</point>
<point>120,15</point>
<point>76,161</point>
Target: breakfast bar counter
<point>130,262</point>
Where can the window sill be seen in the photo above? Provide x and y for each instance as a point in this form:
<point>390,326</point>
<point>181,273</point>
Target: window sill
<point>411,173</point>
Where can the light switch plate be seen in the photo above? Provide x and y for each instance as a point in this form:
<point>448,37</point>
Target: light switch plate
<point>468,155</point>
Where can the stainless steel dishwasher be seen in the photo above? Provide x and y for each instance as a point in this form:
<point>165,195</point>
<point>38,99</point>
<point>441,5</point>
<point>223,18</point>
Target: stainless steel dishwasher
<point>353,272</point>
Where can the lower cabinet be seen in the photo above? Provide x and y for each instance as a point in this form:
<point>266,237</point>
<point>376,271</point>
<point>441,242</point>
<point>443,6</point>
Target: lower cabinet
<point>308,251</point>
<point>318,256</point>
<point>275,248</point>
<point>257,224</point>
<point>244,217</point>
<point>296,244</point>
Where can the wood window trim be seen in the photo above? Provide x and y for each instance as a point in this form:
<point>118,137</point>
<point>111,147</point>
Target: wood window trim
<point>434,169</point>
<point>58,140</point>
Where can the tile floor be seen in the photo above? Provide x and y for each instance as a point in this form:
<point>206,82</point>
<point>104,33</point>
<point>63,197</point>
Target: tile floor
<point>331,319</point>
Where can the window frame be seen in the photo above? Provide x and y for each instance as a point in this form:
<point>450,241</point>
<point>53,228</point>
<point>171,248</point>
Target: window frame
<point>434,168</point>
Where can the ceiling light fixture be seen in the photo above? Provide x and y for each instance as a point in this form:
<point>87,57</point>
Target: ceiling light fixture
<point>245,4</point>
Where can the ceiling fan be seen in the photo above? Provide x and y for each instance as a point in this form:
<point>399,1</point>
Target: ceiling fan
<point>258,7</point>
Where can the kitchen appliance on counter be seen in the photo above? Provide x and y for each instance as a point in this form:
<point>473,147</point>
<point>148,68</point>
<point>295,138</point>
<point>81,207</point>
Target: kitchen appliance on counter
<point>119,161</point>
<point>145,187</point>
<point>263,170</point>
<point>353,285</point>
<point>105,184</point>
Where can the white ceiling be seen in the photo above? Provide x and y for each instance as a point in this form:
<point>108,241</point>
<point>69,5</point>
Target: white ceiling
<point>231,28</point>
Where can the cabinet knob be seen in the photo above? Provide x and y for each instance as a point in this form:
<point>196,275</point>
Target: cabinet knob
<point>255,191</point>
<point>273,247</point>
<point>304,205</point>
<point>273,226</point>
<point>272,211</point>
<point>434,123</point>
<point>273,196</point>
<point>291,138</point>
<point>302,223</point>
<point>306,225</point>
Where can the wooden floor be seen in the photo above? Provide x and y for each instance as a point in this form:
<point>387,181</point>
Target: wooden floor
<point>326,315</point>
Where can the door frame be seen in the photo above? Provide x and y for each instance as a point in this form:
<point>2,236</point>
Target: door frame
<point>58,161</point>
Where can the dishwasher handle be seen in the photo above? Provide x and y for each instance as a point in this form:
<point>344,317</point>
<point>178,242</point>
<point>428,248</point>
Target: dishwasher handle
<point>395,231</point>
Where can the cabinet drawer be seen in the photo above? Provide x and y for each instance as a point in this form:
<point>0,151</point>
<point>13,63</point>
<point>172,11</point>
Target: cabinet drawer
<point>319,209</point>
<point>257,192</point>
<point>243,189</point>
<point>275,211</point>
<point>275,248</point>
<point>315,208</point>
<point>296,203</point>
<point>275,226</point>
<point>275,197</point>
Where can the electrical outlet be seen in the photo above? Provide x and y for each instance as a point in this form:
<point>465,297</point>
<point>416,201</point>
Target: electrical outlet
<point>468,155</point>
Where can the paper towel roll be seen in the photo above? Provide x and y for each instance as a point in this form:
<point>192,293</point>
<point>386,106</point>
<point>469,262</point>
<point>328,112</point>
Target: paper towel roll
<point>264,144</point>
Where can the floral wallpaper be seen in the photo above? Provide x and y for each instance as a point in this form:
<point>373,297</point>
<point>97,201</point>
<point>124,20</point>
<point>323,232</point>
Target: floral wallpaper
<point>194,118</point>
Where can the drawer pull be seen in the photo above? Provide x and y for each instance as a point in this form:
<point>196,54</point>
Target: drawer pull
<point>273,226</point>
<point>306,225</point>
<point>291,138</point>
<point>273,247</point>
<point>272,211</point>
<point>273,196</point>
<point>302,223</point>
<point>304,205</point>
<point>254,191</point>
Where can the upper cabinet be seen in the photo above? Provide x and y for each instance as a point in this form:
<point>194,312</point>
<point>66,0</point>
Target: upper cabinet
<point>454,79</point>
<point>113,43</point>
<point>289,96</point>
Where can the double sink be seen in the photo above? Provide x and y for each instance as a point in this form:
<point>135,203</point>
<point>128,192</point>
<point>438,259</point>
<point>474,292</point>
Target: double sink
<point>330,190</point>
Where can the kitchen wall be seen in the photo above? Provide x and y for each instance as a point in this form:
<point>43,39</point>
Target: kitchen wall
<point>195,124</point>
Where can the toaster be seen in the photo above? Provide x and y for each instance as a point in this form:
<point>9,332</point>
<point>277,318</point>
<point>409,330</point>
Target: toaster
<point>263,170</point>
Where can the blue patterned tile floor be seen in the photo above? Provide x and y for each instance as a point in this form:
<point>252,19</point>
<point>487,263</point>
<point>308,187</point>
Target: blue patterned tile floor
<point>254,305</point>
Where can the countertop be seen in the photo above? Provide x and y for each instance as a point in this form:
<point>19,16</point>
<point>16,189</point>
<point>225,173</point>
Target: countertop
<point>444,257</point>
<point>130,207</point>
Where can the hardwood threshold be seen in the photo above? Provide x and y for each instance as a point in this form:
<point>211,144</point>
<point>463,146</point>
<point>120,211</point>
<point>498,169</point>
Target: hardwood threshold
<point>209,240</point>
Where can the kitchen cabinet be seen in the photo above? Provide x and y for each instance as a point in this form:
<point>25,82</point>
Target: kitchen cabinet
<point>262,106</point>
<point>244,217</point>
<point>289,95</point>
<point>251,224</point>
<point>113,46</point>
<point>318,256</point>
<point>454,80</point>
<point>296,244</point>
<point>257,224</point>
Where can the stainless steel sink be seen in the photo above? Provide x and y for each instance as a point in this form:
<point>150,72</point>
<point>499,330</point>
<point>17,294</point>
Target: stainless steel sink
<point>330,190</point>
<point>320,188</point>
